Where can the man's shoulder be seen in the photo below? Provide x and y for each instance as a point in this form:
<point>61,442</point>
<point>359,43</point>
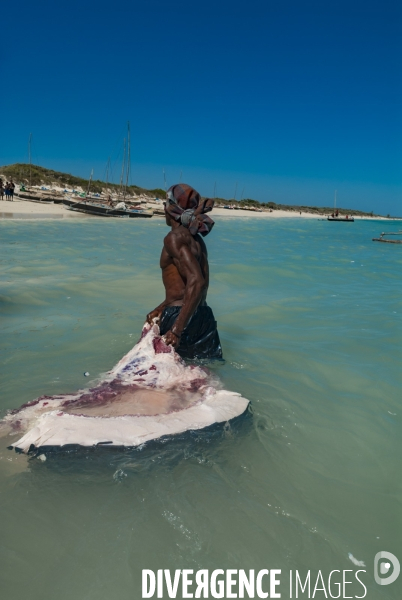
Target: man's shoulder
<point>176,239</point>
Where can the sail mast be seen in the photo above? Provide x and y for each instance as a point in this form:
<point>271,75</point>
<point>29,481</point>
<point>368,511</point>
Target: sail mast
<point>107,170</point>
<point>89,184</point>
<point>127,160</point>
<point>30,159</point>
<point>122,167</point>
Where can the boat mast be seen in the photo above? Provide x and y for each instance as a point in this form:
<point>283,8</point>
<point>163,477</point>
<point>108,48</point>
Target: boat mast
<point>164,179</point>
<point>89,184</point>
<point>30,159</point>
<point>128,160</point>
<point>107,170</point>
<point>335,201</point>
<point>122,167</point>
<point>235,191</point>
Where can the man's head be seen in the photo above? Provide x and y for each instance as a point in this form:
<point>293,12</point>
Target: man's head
<point>184,206</point>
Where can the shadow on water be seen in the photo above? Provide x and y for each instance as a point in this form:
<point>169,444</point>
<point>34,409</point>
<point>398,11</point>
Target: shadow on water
<point>168,451</point>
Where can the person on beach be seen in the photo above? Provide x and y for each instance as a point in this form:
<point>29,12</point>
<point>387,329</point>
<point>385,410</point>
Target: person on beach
<point>185,320</point>
<point>12,188</point>
<point>7,191</point>
<point>1,190</point>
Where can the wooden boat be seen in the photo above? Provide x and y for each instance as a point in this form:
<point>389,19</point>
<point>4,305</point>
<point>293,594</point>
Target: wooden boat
<point>381,238</point>
<point>335,216</point>
<point>70,201</point>
<point>102,210</point>
<point>42,196</point>
<point>346,219</point>
<point>32,197</point>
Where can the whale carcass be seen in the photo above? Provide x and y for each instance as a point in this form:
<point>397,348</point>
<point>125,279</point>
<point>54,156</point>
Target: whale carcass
<point>149,394</point>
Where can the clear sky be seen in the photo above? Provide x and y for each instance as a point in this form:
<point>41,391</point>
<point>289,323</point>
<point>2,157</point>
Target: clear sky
<point>288,99</point>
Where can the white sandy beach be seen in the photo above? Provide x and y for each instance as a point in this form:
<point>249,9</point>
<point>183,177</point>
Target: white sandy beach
<point>24,209</point>
<point>275,214</point>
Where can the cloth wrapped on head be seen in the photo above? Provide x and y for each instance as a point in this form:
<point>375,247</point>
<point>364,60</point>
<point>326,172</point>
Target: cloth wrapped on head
<point>184,204</point>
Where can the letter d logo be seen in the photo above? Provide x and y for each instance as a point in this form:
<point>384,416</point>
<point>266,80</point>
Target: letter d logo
<point>385,567</point>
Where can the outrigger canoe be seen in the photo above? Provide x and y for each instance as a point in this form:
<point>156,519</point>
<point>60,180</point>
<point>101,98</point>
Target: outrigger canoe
<point>381,238</point>
<point>98,209</point>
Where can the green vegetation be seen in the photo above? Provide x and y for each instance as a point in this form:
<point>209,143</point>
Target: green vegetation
<point>23,173</point>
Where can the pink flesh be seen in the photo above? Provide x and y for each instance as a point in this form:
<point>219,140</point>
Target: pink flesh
<point>151,392</point>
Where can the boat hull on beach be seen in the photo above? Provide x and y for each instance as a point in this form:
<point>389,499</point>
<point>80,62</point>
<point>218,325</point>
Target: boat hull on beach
<point>34,198</point>
<point>105,211</point>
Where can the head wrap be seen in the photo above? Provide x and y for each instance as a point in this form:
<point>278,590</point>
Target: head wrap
<point>184,204</point>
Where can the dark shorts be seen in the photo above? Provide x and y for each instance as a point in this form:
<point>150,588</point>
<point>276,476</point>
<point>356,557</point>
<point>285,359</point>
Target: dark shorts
<point>200,339</point>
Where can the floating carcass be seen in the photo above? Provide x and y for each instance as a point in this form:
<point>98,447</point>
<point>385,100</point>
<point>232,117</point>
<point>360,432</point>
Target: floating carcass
<point>149,394</point>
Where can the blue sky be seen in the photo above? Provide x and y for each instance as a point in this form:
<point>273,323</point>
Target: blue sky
<point>287,99</point>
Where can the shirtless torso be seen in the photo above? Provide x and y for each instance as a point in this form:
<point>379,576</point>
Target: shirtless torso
<point>185,275</point>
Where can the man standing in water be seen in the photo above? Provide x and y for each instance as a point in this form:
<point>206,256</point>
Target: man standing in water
<point>185,320</point>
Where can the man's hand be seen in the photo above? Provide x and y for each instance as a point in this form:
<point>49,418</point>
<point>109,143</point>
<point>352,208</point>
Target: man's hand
<point>171,339</point>
<point>154,314</point>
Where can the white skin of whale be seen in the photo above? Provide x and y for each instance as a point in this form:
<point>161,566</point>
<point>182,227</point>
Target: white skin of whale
<point>150,393</point>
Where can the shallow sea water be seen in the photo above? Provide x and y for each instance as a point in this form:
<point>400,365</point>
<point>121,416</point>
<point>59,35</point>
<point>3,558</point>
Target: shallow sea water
<point>309,314</point>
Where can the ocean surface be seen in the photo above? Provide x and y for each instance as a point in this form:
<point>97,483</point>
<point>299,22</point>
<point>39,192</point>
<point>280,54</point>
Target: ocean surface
<point>309,314</point>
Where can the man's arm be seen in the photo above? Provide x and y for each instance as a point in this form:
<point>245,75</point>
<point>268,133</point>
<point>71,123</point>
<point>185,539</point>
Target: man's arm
<point>190,271</point>
<point>156,313</point>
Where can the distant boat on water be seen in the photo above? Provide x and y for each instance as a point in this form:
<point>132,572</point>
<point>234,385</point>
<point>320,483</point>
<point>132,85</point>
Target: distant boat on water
<point>336,217</point>
<point>345,219</point>
<point>381,238</point>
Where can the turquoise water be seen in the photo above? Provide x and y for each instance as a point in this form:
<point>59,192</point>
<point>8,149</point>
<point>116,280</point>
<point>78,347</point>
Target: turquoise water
<point>309,315</point>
